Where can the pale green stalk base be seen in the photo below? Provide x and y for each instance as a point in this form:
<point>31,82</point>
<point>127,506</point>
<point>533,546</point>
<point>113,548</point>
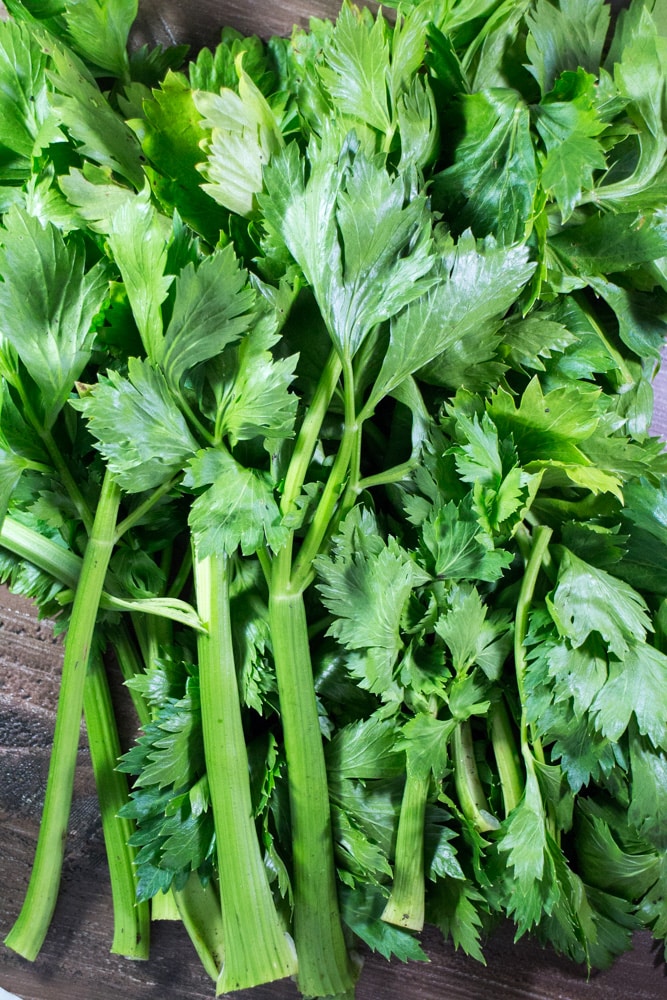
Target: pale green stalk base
<point>164,907</point>
<point>199,908</point>
<point>131,925</point>
<point>28,933</point>
<point>406,904</point>
<point>258,948</point>
<point>325,968</point>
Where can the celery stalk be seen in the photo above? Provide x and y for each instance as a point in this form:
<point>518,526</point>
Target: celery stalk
<point>257,947</point>
<point>28,933</point>
<point>406,904</point>
<point>131,918</point>
<point>325,968</point>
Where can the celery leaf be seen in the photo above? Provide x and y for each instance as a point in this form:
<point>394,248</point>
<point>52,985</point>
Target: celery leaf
<point>48,321</point>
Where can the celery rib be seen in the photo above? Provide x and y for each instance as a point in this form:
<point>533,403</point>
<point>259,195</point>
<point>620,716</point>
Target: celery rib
<point>29,930</point>
<point>325,968</point>
<point>131,923</point>
<point>257,947</point>
<point>406,904</point>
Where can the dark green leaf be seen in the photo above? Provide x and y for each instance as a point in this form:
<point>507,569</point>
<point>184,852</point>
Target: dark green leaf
<point>361,243</point>
<point>356,67</point>
<point>477,283</point>
<point>138,427</point>
<point>565,37</point>
<point>608,243</point>
<point>171,134</point>
<point>364,750</point>
<point>587,600</point>
<point>492,183</point>
<point>213,307</point>
<point>100,132</point>
<point>362,912</point>
<point>237,510</point>
<point>648,808</point>
<point>48,301</point>
<point>637,686</point>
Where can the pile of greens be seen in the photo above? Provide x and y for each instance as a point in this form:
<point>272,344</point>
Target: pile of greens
<point>325,415</point>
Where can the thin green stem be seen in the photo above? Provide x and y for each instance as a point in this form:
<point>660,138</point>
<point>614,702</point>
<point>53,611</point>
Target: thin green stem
<point>144,507</point>
<point>541,539</point>
<point>581,510</point>
<point>265,562</point>
<point>396,474</point>
<point>68,481</point>
<point>324,967</point>
<point>609,347</point>
<point>508,760</point>
<point>27,934</point>
<point>130,667</point>
<point>129,924</point>
<point>331,495</point>
<point>406,904</point>
<point>211,439</point>
<point>309,432</point>
<point>131,918</point>
<point>388,138</point>
<point>183,574</point>
<point>470,793</point>
<point>649,162</point>
<point>59,464</point>
<point>65,567</point>
<point>257,946</point>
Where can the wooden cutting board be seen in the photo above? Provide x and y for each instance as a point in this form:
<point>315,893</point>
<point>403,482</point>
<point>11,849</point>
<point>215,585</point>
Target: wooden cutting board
<point>75,963</point>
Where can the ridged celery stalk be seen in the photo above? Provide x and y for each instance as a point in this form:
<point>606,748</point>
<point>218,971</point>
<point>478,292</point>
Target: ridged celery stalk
<point>325,968</point>
<point>131,925</point>
<point>257,946</point>
<point>28,933</point>
<point>406,904</point>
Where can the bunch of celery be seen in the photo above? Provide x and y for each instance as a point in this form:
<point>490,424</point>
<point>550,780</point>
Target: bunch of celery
<point>325,416</point>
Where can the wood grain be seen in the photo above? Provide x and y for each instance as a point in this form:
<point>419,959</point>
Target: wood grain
<point>75,963</point>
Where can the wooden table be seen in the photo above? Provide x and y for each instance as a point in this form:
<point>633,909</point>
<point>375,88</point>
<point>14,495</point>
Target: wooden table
<point>75,963</point>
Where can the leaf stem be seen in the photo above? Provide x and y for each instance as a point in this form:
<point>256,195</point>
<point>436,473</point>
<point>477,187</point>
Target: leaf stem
<point>396,474</point>
<point>541,538</point>
<point>28,933</point>
<point>257,946</point>
<point>59,464</point>
<point>63,565</point>
<point>609,347</point>
<point>472,799</point>
<point>309,432</point>
<point>505,752</point>
<point>199,909</point>
<point>182,575</point>
<point>130,667</point>
<point>131,918</point>
<point>68,481</point>
<point>322,519</point>
<point>145,506</point>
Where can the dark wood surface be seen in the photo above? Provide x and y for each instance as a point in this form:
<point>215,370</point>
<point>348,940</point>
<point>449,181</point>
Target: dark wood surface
<point>75,963</point>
